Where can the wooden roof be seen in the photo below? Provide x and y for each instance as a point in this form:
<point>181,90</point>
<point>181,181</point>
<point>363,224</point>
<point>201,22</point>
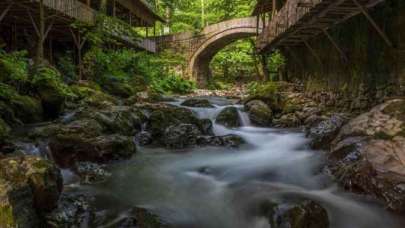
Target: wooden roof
<point>142,9</point>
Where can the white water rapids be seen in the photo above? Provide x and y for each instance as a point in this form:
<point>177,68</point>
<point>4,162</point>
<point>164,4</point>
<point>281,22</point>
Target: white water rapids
<point>215,187</point>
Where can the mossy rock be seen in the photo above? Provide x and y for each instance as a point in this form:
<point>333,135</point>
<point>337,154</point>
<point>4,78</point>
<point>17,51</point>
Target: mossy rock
<point>25,108</point>
<point>4,130</point>
<point>229,117</point>
<point>164,116</point>
<point>16,205</point>
<point>8,115</point>
<point>92,96</point>
<point>120,89</point>
<point>51,89</point>
<point>259,113</point>
<point>197,103</point>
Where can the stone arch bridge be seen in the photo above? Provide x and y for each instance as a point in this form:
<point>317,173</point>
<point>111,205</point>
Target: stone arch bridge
<point>200,48</point>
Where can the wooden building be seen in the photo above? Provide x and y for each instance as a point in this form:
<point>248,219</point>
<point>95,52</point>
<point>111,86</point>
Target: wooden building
<point>24,23</point>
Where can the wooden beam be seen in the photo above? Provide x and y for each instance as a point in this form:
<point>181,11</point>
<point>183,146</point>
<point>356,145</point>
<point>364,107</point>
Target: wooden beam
<point>313,53</point>
<point>4,13</point>
<point>341,52</point>
<point>373,23</point>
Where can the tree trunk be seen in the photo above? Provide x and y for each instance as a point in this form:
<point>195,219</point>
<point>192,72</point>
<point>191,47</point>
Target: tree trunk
<point>266,73</point>
<point>41,36</point>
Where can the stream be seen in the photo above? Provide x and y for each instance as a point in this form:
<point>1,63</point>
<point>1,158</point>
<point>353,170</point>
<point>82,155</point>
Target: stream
<point>217,187</point>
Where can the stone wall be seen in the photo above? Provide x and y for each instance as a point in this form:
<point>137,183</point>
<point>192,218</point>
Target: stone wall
<point>373,70</point>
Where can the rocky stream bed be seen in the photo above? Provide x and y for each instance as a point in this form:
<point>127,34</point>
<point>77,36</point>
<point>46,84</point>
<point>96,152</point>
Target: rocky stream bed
<point>208,162</point>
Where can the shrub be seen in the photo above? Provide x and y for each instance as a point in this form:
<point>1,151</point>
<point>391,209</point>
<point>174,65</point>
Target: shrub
<point>14,68</point>
<point>260,89</point>
<point>67,68</point>
<point>173,84</point>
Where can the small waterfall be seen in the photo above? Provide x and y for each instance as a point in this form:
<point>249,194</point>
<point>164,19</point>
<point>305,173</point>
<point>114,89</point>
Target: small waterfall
<point>244,118</point>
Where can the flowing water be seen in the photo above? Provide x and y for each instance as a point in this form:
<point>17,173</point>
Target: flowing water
<point>216,187</point>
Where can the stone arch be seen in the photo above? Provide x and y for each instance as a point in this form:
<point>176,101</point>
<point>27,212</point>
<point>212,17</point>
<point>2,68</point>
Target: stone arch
<point>199,62</point>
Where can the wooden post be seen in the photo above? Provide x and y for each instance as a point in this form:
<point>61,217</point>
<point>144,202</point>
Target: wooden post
<point>41,33</point>
<point>51,50</point>
<point>373,23</point>
<point>114,9</point>
<point>147,31</point>
<point>88,2</point>
<point>257,24</point>
<point>79,43</point>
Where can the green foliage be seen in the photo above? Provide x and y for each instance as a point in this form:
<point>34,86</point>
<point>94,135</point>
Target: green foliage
<point>172,84</point>
<point>13,67</point>
<point>67,68</point>
<point>45,77</point>
<point>275,62</point>
<point>260,89</point>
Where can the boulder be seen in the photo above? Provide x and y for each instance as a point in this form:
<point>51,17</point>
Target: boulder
<point>163,116</point>
<point>181,136</point>
<point>232,141</point>
<point>15,106</point>
<point>197,103</point>
<point>4,130</point>
<point>206,127</point>
<point>16,205</point>
<point>91,173</point>
<point>287,121</point>
<point>29,187</point>
<point>229,117</point>
<point>307,214</point>
<point>67,149</point>
<point>144,138</point>
<point>259,113</point>
<point>368,154</point>
<point>73,211</point>
<point>325,131</point>
<point>123,120</point>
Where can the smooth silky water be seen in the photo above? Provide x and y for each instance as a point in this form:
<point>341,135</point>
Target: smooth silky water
<point>216,187</point>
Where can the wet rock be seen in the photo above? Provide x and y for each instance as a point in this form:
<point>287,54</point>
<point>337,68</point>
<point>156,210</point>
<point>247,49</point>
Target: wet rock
<point>229,117</point>
<point>286,121</point>
<point>41,175</point>
<point>123,120</point>
<point>4,130</point>
<point>84,128</point>
<point>29,187</point>
<point>181,136</point>
<point>163,116</point>
<point>73,211</point>
<point>325,131</point>
<point>144,138</point>
<point>146,219</point>
<point>66,150</point>
<point>91,173</point>
<point>368,153</point>
<point>16,205</point>
<point>305,215</point>
<point>313,120</point>
<point>90,96</point>
<point>197,103</point>
<point>259,113</point>
<point>226,140</point>
<point>206,127</point>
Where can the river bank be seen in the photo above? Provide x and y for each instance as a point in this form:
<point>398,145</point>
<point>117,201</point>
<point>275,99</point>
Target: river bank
<point>207,162</point>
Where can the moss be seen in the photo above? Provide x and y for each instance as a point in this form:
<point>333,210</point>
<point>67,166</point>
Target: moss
<point>25,108</point>
<point>382,135</point>
<point>7,217</point>
<point>396,109</point>
<point>51,89</point>
<point>4,130</point>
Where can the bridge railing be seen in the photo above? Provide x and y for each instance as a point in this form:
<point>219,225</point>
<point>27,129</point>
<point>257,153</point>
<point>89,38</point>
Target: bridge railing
<point>292,12</point>
<point>72,8</point>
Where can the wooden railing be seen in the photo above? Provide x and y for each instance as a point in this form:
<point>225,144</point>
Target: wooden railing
<point>72,8</point>
<point>292,12</point>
